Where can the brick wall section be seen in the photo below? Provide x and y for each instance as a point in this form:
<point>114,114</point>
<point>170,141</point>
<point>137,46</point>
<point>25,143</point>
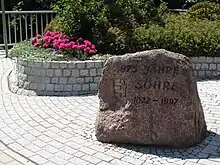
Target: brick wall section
<point>59,78</point>
<point>206,67</point>
<point>62,78</point>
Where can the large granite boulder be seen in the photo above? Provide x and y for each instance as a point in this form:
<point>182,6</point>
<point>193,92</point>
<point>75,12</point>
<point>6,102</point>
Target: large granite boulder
<point>150,98</point>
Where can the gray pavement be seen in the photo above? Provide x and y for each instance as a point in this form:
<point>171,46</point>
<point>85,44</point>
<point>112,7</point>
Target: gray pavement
<point>60,131</point>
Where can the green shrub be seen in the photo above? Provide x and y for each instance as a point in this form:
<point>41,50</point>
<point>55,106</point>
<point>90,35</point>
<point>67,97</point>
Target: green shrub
<point>55,25</point>
<point>205,10</point>
<point>216,1</point>
<point>182,35</point>
<point>108,23</point>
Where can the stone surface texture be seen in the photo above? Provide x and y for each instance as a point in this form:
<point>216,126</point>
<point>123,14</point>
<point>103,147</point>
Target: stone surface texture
<point>150,98</point>
<point>40,78</point>
<point>43,130</point>
<point>55,77</point>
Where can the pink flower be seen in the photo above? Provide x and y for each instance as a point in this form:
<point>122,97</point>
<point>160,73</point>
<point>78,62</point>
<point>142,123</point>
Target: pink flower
<point>38,36</point>
<point>82,47</point>
<point>79,40</point>
<point>62,46</point>
<point>87,49</point>
<point>69,45</point>
<point>45,45</point>
<point>77,47</point>
<point>34,40</point>
<point>48,33</point>
<point>74,46</point>
<point>72,43</point>
<point>92,51</point>
<point>55,37</point>
<point>93,46</point>
<point>37,44</point>
<point>87,43</point>
<point>46,38</point>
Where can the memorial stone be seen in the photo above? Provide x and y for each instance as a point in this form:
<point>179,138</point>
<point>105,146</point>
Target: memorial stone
<point>150,98</point>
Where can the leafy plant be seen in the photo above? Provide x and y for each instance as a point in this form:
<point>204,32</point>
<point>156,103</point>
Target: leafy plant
<point>109,24</point>
<point>26,51</point>
<point>205,10</point>
<point>183,35</point>
<point>56,25</point>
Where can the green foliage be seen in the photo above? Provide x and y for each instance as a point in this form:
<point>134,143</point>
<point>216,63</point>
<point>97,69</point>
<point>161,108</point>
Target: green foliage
<point>182,35</point>
<point>108,24</point>
<point>205,10</point>
<point>56,26</point>
<point>27,51</point>
<point>216,1</point>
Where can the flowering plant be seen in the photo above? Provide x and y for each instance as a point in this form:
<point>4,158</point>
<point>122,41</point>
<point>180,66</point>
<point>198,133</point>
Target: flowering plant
<point>62,44</point>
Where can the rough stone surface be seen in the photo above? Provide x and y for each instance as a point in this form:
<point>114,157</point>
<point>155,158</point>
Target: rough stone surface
<point>150,98</point>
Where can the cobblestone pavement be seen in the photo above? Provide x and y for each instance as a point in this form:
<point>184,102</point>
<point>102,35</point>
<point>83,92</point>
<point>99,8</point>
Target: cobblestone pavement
<point>60,131</point>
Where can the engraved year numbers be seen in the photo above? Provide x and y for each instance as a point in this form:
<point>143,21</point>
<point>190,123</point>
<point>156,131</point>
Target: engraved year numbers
<point>141,99</point>
<point>172,101</point>
<point>128,68</point>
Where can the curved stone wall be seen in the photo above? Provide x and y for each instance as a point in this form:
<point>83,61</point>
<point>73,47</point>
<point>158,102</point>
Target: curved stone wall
<point>58,78</point>
<point>69,78</point>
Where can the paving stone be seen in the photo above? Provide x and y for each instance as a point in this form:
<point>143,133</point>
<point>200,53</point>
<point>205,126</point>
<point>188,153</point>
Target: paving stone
<point>104,156</point>
<point>5,158</point>
<point>38,159</point>
<point>132,160</point>
<point>79,161</point>
<point>208,162</point>
<point>91,159</point>
<point>58,160</point>
<point>118,161</point>
<point>104,163</point>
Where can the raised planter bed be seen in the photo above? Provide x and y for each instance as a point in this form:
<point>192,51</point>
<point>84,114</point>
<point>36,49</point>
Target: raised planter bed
<point>71,78</point>
<point>58,78</point>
